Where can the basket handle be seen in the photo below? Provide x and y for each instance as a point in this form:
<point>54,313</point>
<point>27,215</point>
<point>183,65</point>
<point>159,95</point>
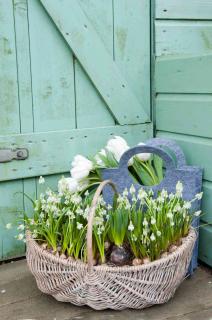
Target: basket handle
<point>91,219</point>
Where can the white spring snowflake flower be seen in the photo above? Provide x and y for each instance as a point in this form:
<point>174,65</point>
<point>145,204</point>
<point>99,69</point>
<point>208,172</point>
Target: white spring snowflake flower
<point>32,222</point>
<point>179,189</point>
<point>125,193</point>
<point>152,237</point>
<point>79,211</point>
<point>70,214</point>
<point>177,208</point>
<point>160,199</point>
<point>41,180</point>
<point>109,207</point>
<point>172,223</point>
<point>86,193</point>
<point>134,199</point>
<point>9,226</point>
<point>145,232</point>
<point>35,234</point>
<point>101,201</point>
<point>47,223</point>
<point>76,199</point>
<point>153,220</point>
<point>145,222</point>
<point>197,213</point>
<point>21,227</point>
<point>142,194</point>
<point>42,215</point>
<point>171,196</point>
<point>198,196</point>
<point>134,238</point>
<point>127,205</point>
<point>164,193</point>
<point>132,189</point>
<point>79,226</point>
<point>98,221</point>
<point>20,236</point>
<point>170,215</point>
<point>158,233</point>
<point>187,205</point>
<point>151,193</point>
<point>131,226</point>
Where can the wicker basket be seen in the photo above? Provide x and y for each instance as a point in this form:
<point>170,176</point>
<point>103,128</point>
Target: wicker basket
<point>102,287</point>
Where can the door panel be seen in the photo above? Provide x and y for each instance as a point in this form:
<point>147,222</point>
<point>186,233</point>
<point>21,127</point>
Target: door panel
<point>64,94</point>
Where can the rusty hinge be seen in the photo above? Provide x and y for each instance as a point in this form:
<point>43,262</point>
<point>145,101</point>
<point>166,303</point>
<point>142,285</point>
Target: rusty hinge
<point>7,155</point>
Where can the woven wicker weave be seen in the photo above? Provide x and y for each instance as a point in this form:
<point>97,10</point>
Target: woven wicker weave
<point>102,287</point>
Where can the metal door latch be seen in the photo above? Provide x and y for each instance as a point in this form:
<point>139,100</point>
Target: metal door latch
<point>7,155</point>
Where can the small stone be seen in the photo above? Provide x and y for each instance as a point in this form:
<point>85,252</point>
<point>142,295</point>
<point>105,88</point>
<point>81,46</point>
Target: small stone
<point>3,291</point>
<point>137,262</point>
<point>146,260</point>
<point>164,255</point>
<point>173,248</point>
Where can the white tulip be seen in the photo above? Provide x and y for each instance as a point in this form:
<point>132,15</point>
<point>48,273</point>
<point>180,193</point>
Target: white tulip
<point>81,167</point>
<point>117,146</point>
<point>67,184</point>
<point>143,156</point>
<point>79,172</point>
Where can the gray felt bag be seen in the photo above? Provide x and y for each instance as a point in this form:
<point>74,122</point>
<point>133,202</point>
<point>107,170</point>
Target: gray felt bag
<point>176,170</point>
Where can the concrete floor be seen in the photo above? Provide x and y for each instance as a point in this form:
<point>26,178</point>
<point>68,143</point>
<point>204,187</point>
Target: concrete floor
<point>21,300</point>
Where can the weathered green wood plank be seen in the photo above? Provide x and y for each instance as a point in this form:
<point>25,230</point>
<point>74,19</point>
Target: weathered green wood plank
<point>183,37</point>
<point>90,107</point>
<point>205,248</point>
<point>133,56</point>
<point>207,202</point>
<point>198,151</point>
<point>52,73</point>
<point>23,65</point>
<point>183,9</point>
<point>25,91</point>
<point>52,152</point>
<point>10,202</point>
<point>184,113</point>
<point>9,117</point>
<point>184,74</point>
<point>91,53</point>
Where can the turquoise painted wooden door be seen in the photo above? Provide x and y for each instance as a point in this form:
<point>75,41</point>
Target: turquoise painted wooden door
<point>73,73</point>
<point>183,83</point>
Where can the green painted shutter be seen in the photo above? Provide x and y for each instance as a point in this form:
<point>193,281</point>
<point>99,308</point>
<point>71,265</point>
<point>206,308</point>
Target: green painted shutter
<point>73,73</point>
<point>183,81</point>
